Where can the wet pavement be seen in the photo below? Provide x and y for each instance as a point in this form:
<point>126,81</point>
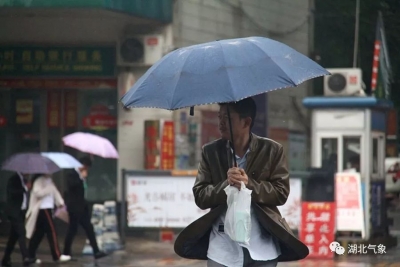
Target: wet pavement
<point>140,252</point>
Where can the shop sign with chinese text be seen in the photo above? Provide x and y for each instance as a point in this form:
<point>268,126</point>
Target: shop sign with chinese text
<point>318,228</point>
<point>100,118</point>
<point>31,61</point>
<point>349,205</point>
<point>161,201</point>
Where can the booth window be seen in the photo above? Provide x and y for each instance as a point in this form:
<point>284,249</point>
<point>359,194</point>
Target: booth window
<point>329,152</point>
<point>375,155</point>
<point>352,153</point>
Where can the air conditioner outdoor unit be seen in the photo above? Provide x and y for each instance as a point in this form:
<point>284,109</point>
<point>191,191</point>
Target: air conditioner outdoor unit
<point>343,82</point>
<point>140,50</point>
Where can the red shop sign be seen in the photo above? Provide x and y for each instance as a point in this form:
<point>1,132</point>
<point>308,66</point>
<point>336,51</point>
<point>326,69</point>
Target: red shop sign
<point>100,118</point>
<point>317,228</point>
<point>3,121</point>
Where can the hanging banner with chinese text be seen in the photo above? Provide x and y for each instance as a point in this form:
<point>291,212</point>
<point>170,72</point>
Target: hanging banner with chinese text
<point>24,111</point>
<point>161,201</point>
<point>57,61</point>
<point>168,146</point>
<point>151,144</point>
<point>350,214</point>
<point>53,109</point>
<point>71,109</point>
<point>318,228</point>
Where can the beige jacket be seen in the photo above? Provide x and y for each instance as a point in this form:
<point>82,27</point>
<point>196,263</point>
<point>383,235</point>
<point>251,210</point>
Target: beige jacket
<point>42,187</point>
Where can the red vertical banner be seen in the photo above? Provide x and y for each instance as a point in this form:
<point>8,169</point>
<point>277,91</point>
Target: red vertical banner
<point>168,146</point>
<point>151,148</point>
<point>53,109</point>
<point>71,109</point>
<point>318,228</point>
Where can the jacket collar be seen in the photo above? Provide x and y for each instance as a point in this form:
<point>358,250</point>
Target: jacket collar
<point>225,153</point>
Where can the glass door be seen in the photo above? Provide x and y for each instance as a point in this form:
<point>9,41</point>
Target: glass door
<point>327,151</point>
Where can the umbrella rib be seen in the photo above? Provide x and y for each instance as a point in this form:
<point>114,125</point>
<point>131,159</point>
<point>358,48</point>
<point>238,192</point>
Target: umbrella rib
<point>177,80</point>
<point>276,64</point>
<point>226,70</point>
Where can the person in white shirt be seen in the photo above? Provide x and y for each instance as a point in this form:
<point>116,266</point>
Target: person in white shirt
<point>39,218</point>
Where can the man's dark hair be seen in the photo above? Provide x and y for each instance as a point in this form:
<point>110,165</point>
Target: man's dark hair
<point>86,161</point>
<point>245,108</point>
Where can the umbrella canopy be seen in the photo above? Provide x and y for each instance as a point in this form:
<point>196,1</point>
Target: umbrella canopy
<point>220,71</point>
<point>30,163</point>
<point>92,144</point>
<point>63,160</point>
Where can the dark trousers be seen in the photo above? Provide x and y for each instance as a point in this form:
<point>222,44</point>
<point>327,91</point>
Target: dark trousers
<point>17,234</point>
<point>83,219</point>
<point>45,225</point>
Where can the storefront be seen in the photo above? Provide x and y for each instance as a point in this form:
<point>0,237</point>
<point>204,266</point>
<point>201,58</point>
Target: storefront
<point>48,92</point>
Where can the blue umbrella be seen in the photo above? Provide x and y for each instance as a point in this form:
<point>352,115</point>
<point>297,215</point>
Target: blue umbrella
<point>62,160</point>
<point>219,72</point>
<point>30,163</point>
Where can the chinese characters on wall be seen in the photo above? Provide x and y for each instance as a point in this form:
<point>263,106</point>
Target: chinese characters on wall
<point>168,146</point>
<point>317,228</point>
<point>57,61</point>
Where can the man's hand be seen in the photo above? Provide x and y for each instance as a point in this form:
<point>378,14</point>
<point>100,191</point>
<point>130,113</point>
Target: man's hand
<point>237,175</point>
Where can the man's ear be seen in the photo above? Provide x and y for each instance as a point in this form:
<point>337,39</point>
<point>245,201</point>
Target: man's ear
<point>247,122</point>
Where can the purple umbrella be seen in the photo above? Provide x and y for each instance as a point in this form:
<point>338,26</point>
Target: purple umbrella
<point>30,163</point>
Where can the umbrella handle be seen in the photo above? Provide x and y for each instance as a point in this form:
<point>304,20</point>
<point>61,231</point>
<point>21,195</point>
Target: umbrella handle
<point>231,132</point>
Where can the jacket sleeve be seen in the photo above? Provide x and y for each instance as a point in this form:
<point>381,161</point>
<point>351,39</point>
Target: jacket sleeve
<point>206,194</point>
<point>275,191</point>
<point>73,180</point>
<point>13,188</point>
<point>41,189</point>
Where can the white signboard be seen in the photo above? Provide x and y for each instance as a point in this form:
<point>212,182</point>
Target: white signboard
<point>349,206</point>
<point>161,201</point>
<point>291,211</point>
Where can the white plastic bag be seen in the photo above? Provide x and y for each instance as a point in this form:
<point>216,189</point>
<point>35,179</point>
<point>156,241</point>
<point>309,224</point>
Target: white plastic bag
<point>237,223</point>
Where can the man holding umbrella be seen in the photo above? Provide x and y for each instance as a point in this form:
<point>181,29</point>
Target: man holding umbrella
<point>17,204</point>
<point>229,71</point>
<point>261,166</point>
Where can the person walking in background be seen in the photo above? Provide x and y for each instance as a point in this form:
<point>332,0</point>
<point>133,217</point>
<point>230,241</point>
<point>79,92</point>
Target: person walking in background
<point>17,203</point>
<point>78,209</point>
<point>44,198</point>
